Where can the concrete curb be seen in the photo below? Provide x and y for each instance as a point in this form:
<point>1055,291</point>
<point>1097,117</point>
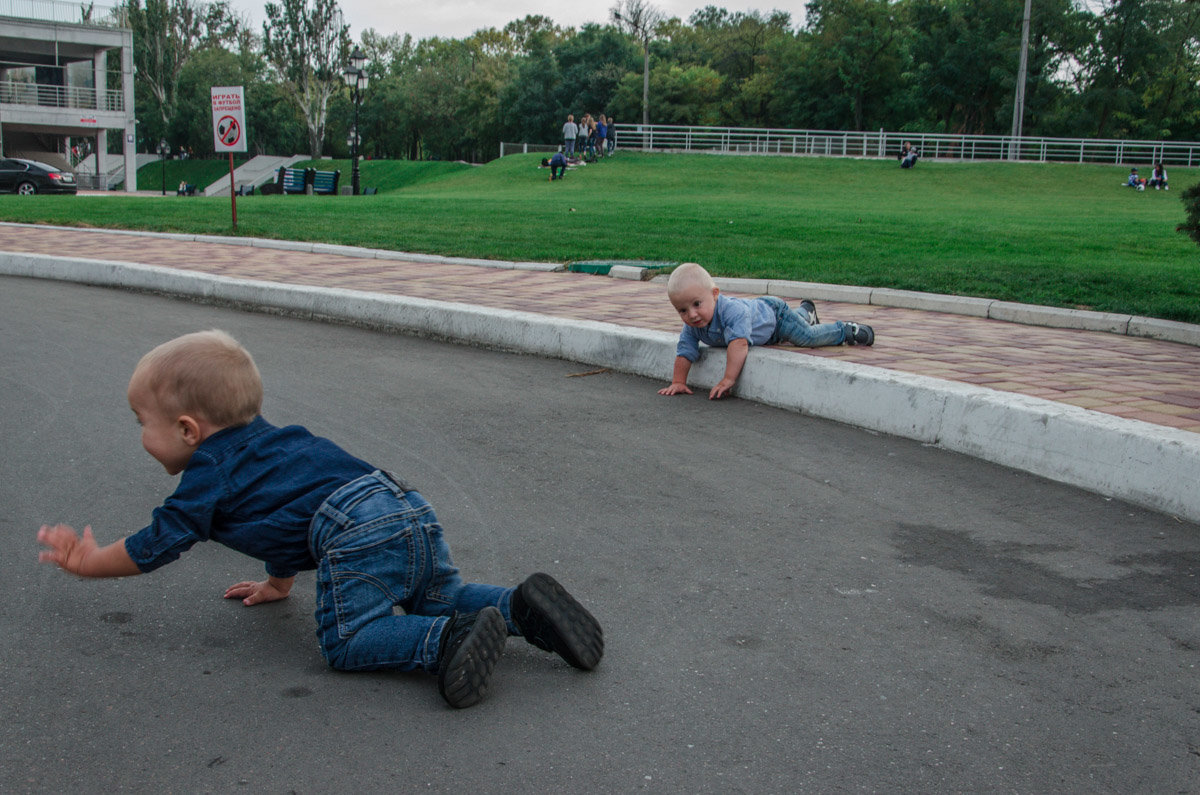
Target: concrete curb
<point>1135,461</point>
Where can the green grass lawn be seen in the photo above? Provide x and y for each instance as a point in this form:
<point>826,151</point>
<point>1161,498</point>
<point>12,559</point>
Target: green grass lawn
<point>1054,234</point>
<point>166,175</point>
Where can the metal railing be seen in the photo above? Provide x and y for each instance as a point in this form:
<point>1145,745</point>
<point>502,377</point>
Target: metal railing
<point>100,181</point>
<point>80,13</point>
<point>43,95</point>
<point>881,144</point>
<point>512,149</point>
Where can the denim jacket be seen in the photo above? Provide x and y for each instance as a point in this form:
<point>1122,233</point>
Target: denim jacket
<point>253,488</point>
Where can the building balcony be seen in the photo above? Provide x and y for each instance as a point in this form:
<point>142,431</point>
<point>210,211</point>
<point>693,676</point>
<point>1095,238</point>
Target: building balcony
<point>63,12</point>
<point>40,95</point>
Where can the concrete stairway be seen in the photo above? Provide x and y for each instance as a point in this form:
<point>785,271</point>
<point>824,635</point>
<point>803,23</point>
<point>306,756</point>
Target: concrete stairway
<point>255,171</point>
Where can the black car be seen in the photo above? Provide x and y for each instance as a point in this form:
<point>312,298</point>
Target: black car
<point>30,176</point>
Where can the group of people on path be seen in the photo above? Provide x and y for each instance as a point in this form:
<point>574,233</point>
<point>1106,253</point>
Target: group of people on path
<point>1158,179</point>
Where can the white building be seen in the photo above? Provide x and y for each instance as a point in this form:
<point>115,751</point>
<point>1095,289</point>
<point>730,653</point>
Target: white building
<point>66,80</point>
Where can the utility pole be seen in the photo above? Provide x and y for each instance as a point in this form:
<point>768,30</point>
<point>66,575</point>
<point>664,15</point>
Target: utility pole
<point>1014,147</point>
<point>641,19</point>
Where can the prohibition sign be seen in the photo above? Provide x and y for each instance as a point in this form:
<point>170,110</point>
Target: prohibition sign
<point>229,131</point>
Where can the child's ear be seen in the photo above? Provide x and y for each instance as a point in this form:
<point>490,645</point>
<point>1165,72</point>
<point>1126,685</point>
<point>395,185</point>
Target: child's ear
<point>716,291</point>
<point>190,430</point>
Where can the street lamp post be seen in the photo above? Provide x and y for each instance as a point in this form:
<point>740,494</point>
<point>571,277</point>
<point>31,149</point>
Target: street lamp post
<point>163,148</point>
<point>356,78</point>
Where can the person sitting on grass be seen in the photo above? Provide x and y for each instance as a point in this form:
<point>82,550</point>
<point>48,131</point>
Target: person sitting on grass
<point>738,323</point>
<point>1158,178</point>
<point>1135,181</point>
<point>299,502</point>
<point>908,155</point>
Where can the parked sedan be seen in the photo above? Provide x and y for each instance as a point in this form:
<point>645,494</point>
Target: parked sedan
<point>30,176</point>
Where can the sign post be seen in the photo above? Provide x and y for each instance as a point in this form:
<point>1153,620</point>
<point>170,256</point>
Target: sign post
<point>229,131</point>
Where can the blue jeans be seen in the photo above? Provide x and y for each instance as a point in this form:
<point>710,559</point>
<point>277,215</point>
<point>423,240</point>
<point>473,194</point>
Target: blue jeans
<point>795,326</point>
<point>379,547</point>
<point>568,146</point>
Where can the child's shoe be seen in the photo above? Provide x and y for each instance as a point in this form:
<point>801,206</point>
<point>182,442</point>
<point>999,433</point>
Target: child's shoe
<point>551,619</point>
<point>859,334</point>
<point>811,308</point>
<point>471,645</point>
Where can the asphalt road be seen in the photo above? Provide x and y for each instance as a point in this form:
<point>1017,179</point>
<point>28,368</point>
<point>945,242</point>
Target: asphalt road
<point>789,604</point>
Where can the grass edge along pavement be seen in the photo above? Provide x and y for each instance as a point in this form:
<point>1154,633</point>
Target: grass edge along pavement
<point>1116,457</point>
<point>1047,234</point>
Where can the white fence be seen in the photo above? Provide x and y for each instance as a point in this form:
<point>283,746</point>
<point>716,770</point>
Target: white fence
<point>834,143</point>
<point>521,149</point>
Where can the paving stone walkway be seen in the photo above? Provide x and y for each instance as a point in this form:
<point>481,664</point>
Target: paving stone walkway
<point>1142,379</point>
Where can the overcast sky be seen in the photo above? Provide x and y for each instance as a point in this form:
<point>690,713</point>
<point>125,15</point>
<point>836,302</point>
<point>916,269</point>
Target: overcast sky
<point>457,19</point>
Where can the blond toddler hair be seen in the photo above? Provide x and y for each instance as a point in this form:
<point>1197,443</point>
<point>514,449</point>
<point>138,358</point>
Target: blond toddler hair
<point>206,373</point>
<point>689,275</point>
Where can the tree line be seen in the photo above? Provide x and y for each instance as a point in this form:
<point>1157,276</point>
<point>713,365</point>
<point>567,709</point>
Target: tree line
<point>1096,69</point>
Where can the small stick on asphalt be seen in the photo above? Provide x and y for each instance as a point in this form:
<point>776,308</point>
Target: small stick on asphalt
<point>590,372</point>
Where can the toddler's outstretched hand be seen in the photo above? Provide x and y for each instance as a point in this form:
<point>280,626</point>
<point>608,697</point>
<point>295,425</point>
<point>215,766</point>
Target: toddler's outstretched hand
<point>64,547</point>
<point>675,389</point>
<point>256,593</point>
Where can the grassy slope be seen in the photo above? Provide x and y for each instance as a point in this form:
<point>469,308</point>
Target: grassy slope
<point>1064,235</point>
<point>201,173</point>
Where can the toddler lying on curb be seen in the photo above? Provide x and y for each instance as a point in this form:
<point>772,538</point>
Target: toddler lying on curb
<point>299,502</point>
<point>738,323</point>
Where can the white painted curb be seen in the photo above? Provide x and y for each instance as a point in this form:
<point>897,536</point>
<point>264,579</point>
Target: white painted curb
<point>1145,464</point>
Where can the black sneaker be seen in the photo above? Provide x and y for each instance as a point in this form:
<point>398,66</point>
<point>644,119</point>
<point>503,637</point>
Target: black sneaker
<point>811,308</point>
<point>859,334</point>
<point>471,645</point>
<point>551,619</point>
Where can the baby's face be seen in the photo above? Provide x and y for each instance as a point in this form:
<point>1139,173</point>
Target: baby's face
<point>695,304</point>
<point>162,435</point>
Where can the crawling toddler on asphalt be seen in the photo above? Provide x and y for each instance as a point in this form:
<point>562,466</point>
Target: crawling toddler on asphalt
<point>737,323</point>
<point>298,502</point>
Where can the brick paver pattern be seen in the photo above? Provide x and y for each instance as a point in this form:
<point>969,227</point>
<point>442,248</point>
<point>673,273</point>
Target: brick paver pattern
<point>1142,379</point>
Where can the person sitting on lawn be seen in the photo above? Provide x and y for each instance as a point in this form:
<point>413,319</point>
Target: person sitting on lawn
<point>1158,178</point>
<point>1134,180</point>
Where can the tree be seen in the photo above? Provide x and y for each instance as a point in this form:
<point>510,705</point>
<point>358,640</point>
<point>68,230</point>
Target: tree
<point>1171,102</point>
<point>850,63</point>
<point>521,33</point>
<point>433,90</point>
<point>531,113</point>
<point>688,95</point>
<point>738,47</point>
<point>641,20</point>
<point>1116,69</point>
<point>166,33</point>
<point>592,63</point>
<point>308,45</point>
